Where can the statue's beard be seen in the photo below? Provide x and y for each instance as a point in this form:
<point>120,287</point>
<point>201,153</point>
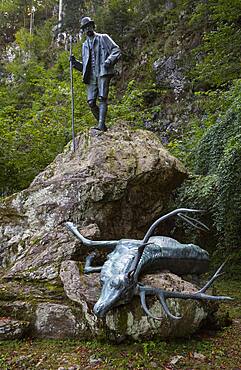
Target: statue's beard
<point>90,33</point>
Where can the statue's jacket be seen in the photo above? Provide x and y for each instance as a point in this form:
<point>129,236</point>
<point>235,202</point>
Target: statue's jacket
<point>106,50</point>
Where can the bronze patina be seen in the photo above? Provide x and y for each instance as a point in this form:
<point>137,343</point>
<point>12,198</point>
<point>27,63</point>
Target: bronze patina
<point>99,56</point>
<point>120,273</point>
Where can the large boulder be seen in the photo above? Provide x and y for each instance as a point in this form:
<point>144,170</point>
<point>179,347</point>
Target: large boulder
<point>113,186</point>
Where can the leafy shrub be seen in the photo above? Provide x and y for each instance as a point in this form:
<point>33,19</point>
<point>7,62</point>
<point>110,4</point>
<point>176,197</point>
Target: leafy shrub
<point>218,55</point>
<point>218,166</point>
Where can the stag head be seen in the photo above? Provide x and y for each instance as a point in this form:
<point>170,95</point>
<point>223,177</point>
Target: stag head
<point>117,290</point>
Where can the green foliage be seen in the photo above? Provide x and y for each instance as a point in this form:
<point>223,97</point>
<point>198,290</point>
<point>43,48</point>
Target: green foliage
<point>130,106</point>
<point>73,12</point>
<point>32,128</point>
<point>129,21</point>
<point>228,206</point>
<point>222,56</point>
<point>15,14</point>
<point>36,115</point>
<point>115,17</point>
<point>227,129</point>
<point>182,144</point>
<point>218,163</point>
<point>220,49</point>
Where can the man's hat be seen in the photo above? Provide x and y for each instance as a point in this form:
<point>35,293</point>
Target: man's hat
<point>85,21</point>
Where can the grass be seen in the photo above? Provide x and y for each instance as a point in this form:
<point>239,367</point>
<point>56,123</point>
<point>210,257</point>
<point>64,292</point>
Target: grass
<point>208,349</point>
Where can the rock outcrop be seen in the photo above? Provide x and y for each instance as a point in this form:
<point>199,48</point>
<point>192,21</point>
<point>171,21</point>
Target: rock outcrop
<point>113,186</point>
<point>170,75</point>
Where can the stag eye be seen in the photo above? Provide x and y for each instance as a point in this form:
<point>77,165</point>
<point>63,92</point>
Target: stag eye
<point>116,284</point>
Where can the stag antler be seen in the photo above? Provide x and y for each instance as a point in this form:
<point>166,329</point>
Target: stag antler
<point>136,260</point>
<point>192,221</point>
<point>88,242</point>
<point>164,294</point>
<point>179,212</point>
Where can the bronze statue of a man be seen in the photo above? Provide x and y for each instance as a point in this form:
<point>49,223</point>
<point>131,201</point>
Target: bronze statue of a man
<point>99,55</point>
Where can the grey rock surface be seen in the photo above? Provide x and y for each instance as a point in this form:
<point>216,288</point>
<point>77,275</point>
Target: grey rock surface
<point>56,321</point>
<point>169,75</point>
<point>113,186</point>
<point>72,317</point>
<point>12,329</point>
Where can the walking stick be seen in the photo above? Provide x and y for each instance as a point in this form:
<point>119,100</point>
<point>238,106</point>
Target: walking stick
<point>72,92</point>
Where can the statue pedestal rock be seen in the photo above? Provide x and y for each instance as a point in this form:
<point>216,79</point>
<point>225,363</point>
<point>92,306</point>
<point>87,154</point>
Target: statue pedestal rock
<point>113,186</point>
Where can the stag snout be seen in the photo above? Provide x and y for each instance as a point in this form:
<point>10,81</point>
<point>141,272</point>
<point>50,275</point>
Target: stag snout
<point>100,310</point>
<point>108,299</point>
<point>115,291</point>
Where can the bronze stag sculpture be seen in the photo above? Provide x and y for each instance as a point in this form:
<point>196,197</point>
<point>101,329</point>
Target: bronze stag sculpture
<point>129,258</point>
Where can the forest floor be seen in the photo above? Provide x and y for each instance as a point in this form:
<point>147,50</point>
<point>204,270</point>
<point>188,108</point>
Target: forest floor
<point>208,349</point>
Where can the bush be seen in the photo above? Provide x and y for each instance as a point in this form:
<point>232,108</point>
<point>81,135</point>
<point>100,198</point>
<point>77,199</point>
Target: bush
<point>217,185</point>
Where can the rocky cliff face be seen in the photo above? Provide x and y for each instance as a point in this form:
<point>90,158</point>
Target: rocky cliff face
<point>113,186</point>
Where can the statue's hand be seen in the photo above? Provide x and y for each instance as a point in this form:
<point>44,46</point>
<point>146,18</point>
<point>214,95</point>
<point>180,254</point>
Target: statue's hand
<point>72,59</point>
<point>107,64</point>
<point>76,64</point>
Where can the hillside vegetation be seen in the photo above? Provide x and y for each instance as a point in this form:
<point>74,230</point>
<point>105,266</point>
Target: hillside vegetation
<point>194,106</point>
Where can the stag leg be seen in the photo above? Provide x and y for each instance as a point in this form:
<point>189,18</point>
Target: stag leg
<point>164,294</point>
<point>88,268</point>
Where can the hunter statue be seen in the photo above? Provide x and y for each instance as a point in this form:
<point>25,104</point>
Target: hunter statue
<point>99,55</point>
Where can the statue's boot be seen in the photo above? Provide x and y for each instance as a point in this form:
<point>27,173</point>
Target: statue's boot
<point>95,111</point>
<point>102,116</point>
